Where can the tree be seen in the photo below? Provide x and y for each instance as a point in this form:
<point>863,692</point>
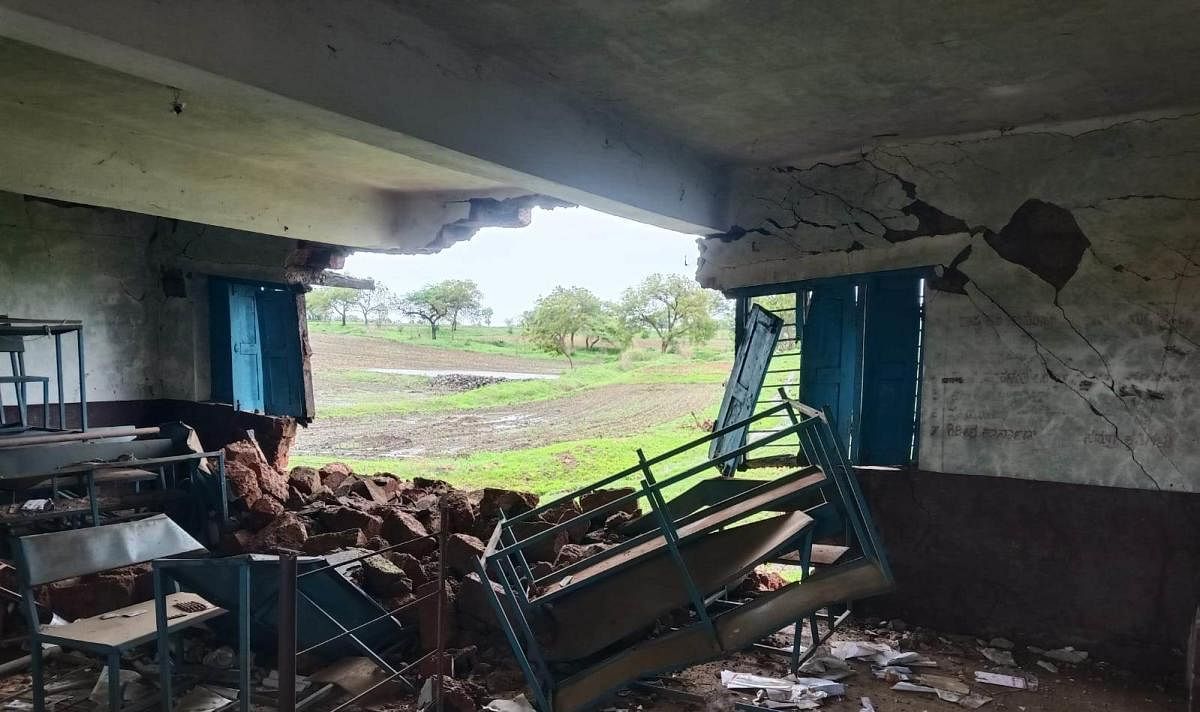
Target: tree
<point>372,302</point>
<point>556,318</point>
<point>673,307</point>
<point>461,297</point>
<point>613,326</point>
<point>323,300</point>
<point>485,316</point>
<point>432,304</point>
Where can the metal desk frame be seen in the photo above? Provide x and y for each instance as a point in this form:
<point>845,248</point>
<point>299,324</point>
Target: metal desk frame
<point>12,326</point>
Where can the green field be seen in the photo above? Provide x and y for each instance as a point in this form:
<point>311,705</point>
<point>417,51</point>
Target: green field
<point>354,399</point>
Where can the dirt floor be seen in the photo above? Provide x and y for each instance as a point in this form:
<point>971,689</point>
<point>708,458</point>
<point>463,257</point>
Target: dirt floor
<point>334,351</point>
<point>1072,689</point>
<point>605,411</point>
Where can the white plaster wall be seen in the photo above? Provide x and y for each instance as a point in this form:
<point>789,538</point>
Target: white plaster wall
<point>1095,382</point>
<point>59,261</point>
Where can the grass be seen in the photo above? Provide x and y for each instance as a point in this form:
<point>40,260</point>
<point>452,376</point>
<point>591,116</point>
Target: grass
<point>499,340</point>
<point>548,470</point>
<point>479,339</point>
<point>638,368</point>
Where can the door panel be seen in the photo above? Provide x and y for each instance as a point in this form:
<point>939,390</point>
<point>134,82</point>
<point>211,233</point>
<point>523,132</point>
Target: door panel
<point>761,331</point>
<point>246,348</point>
<point>282,362</point>
<point>829,371</point>
<point>890,369</point>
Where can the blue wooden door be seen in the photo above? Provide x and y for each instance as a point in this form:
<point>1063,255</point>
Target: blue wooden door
<point>282,362</point>
<point>760,333</point>
<point>246,347</point>
<point>892,304</point>
<point>830,342</point>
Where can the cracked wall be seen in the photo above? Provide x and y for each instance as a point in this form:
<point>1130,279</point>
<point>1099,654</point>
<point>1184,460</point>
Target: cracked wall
<point>139,283</point>
<point>1062,323</point>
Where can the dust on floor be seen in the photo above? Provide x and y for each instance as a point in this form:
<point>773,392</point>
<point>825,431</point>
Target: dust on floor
<point>1089,687</point>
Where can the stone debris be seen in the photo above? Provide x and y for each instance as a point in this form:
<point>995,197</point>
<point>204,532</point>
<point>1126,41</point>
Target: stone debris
<point>1067,655</point>
<point>1048,666</point>
<point>999,657</point>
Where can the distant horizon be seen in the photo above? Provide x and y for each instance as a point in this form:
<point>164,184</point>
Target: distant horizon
<point>569,247</point>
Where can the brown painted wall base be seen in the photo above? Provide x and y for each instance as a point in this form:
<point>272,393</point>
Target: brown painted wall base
<point>1112,571</point>
<point>215,423</point>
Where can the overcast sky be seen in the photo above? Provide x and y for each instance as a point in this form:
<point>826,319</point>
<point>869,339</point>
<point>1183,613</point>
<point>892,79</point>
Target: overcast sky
<point>572,247</point>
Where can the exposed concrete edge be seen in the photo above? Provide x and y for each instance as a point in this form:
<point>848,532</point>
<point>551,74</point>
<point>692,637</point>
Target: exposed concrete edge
<point>691,203</point>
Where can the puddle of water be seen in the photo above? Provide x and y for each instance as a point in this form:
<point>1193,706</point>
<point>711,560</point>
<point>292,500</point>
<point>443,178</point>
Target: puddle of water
<point>431,372</point>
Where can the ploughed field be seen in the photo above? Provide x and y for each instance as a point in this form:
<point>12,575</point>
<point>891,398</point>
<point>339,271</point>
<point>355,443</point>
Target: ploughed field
<point>383,401</point>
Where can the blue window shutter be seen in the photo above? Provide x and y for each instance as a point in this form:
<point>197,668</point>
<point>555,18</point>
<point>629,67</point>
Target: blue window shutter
<point>246,348</point>
<point>760,333</point>
<point>282,361</point>
<point>890,368</point>
<point>829,372</point>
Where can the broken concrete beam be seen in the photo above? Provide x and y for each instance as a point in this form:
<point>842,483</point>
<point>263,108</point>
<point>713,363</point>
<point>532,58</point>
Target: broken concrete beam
<point>384,579</point>
<point>340,518</point>
<point>509,502</point>
<point>326,543</point>
<point>462,553</point>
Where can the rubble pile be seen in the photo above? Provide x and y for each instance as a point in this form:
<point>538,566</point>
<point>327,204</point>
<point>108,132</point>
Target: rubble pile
<point>463,381</point>
<point>322,511</point>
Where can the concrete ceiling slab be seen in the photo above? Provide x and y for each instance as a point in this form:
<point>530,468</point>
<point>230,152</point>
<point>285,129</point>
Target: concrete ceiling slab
<point>764,82</point>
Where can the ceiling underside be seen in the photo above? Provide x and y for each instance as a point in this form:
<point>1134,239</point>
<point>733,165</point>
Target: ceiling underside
<point>54,88</point>
<point>763,82</point>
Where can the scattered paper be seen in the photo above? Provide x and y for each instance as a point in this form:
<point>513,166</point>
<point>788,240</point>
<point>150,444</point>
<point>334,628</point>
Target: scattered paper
<point>827,666</point>
<point>799,691</point>
<point>1048,666</point>
<point>99,693</point>
<point>201,699</point>
<point>943,682</point>
<point>1013,681</point>
<point>516,704</point>
<point>37,505</point>
<point>880,654</point>
<point>867,705</point>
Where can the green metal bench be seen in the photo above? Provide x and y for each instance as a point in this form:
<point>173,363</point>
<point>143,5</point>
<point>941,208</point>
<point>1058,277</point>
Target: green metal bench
<point>45,558</point>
